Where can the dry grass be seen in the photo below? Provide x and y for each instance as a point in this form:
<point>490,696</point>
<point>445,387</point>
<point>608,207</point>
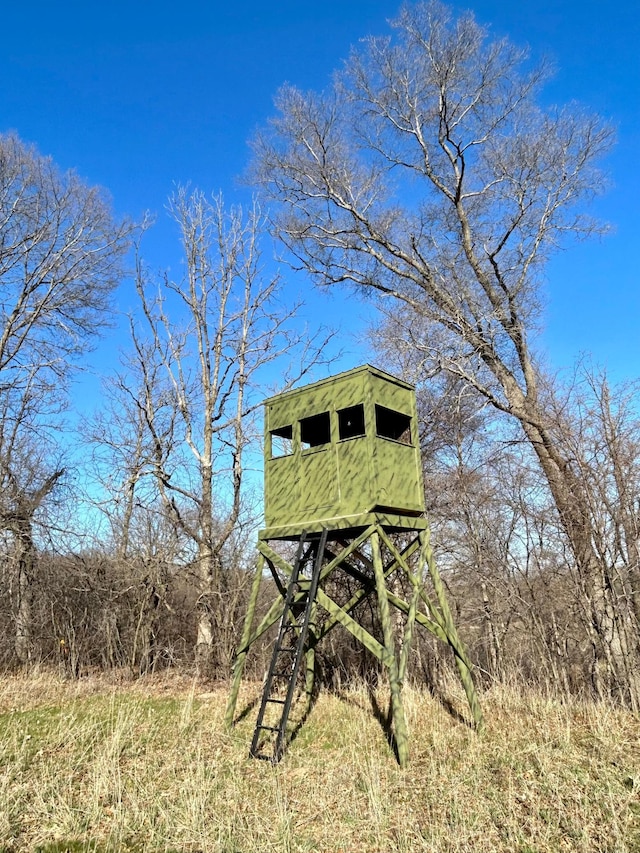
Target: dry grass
<point>101,766</point>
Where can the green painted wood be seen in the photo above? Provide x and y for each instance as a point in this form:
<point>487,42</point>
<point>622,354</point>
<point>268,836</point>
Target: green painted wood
<point>398,558</point>
<point>310,660</point>
<point>344,525</point>
<point>325,472</point>
<point>441,624</point>
<point>274,558</point>
<point>462,661</point>
<point>350,549</point>
<point>439,621</point>
<point>421,619</point>
<point>408,635</point>
<point>412,610</point>
<point>270,618</point>
<point>316,556</point>
<point>369,588</point>
<point>355,628</point>
<point>274,613</point>
<point>389,655</point>
<point>244,644</point>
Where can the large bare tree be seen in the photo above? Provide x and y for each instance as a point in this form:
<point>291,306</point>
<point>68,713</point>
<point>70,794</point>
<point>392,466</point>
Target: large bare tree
<point>61,253</point>
<point>210,345</point>
<point>61,256</point>
<point>431,174</point>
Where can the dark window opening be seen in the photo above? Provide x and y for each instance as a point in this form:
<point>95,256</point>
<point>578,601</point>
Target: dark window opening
<point>281,442</point>
<point>351,421</point>
<point>315,430</point>
<point>393,425</point>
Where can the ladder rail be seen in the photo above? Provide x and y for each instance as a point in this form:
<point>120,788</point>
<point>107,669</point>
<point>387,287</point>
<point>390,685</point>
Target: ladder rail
<point>293,580</point>
<point>311,597</point>
<point>317,550</point>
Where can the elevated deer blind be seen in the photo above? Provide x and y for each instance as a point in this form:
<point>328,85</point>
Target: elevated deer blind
<point>343,481</point>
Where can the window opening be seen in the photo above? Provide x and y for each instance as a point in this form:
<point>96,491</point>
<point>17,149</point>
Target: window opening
<point>315,430</point>
<point>393,425</point>
<point>351,421</point>
<point>281,442</point>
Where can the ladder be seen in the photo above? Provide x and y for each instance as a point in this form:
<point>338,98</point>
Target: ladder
<point>289,649</point>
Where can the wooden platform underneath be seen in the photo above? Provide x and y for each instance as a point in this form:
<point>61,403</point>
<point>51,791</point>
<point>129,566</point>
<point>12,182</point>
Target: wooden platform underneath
<point>352,524</point>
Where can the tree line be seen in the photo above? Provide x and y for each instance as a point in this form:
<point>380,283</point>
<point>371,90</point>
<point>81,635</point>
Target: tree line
<point>430,177</point>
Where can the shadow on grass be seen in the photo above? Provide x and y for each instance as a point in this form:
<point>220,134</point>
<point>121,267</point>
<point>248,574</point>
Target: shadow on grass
<point>93,846</point>
<point>438,694</point>
<point>457,716</point>
<point>248,708</point>
<point>295,731</point>
<point>88,846</point>
<point>309,706</point>
<point>385,719</point>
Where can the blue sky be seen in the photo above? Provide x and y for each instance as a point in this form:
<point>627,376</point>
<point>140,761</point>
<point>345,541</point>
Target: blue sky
<point>138,96</point>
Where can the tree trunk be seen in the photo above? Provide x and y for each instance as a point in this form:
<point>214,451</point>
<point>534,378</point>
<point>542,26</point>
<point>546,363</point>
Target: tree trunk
<point>26,565</point>
<point>491,637</point>
<point>600,601</point>
<point>204,653</point>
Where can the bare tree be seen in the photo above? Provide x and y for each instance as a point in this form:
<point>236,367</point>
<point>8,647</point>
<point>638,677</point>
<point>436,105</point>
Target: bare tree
<point>205,356</point>
<point>430,175</point>
<point>26,482</point>
<point>61,254</point>
<point>139,542</point>
<point>598,430</point>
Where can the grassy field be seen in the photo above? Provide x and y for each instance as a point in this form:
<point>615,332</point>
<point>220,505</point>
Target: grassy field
<point>99,766</point>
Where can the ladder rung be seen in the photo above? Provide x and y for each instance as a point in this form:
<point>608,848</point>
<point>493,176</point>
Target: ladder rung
<point>278,701</point>
<point>269,728</point>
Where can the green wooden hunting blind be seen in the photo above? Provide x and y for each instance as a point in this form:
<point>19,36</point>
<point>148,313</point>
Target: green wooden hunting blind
<point>340,450</point>
<point>343,480</point>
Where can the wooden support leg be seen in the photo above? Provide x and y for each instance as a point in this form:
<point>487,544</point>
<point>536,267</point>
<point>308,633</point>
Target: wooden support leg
<point>462,661</point>
<point>408,633</point>
<point>402,562</point>
<point>310,659</point>
<point>244,645</point>
<point>389,655</point>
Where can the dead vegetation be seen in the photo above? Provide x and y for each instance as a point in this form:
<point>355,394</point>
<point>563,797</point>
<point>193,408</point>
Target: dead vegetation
<point>106,764</point>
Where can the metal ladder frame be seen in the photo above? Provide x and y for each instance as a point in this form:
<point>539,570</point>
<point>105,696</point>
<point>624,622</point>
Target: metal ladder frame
<point>287,621</point>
